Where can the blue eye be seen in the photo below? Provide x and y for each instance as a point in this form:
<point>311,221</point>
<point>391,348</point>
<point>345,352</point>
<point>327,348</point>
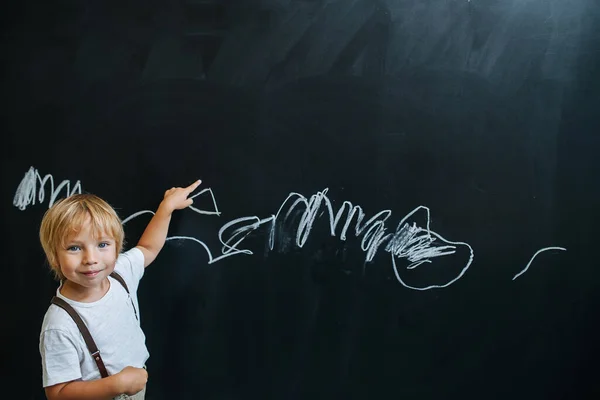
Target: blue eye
<point>104,245</point>
<point>73,248</point>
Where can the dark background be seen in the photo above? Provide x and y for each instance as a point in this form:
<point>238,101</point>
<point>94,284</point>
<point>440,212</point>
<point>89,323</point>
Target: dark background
<point>487,112</point>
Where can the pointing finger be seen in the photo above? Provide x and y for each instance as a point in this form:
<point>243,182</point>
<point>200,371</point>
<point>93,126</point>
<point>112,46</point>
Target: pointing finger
<point>193,186</point>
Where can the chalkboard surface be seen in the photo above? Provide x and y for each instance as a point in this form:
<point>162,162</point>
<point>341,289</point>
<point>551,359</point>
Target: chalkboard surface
<point>400,197</point>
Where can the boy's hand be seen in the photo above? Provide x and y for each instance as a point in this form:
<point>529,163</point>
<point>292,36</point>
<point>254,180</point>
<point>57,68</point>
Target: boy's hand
<point>132,380</point>
<point>176,198</point>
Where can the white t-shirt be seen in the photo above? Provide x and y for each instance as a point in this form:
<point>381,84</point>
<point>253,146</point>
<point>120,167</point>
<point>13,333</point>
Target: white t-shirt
<point>111,322</point>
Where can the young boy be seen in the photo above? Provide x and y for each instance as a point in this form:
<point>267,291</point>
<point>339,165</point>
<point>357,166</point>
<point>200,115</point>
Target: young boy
<point>82,237</point>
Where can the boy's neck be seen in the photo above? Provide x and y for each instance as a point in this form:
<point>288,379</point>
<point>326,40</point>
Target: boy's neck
<point>75,292</point>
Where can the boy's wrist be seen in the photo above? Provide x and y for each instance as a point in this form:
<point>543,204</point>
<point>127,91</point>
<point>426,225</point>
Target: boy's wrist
<point>116,384</point>
<point>164,210</point>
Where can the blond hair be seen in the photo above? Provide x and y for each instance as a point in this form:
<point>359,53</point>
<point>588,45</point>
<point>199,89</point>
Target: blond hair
<point>67,216</point>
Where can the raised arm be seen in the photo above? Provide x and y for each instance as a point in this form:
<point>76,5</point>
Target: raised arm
<point>155,234</point>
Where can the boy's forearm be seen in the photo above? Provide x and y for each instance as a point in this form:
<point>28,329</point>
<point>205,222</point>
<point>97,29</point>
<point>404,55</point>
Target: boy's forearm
<point>155,234</point>
<point>100,389</point>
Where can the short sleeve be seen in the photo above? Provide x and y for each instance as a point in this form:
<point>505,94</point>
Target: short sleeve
<point>130,265</point>
<point>60,359</point>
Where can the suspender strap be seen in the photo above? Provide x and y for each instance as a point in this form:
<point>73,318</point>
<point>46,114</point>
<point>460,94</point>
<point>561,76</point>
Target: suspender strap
<point>89,341</point>
<point>122,282</point>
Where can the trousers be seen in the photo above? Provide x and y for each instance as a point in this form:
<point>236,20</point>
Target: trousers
<point>138,396</point>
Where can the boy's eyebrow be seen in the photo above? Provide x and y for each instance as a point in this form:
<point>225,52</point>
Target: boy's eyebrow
<point>100,239</point>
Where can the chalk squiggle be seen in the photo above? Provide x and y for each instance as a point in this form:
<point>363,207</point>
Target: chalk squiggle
<point>534,256</point>
<point>27,192</point>
<point>414,243</point>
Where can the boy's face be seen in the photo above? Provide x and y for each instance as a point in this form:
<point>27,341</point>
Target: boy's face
<point>87,261</point>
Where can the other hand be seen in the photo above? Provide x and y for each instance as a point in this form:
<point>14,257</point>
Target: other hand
<point>132,380</point>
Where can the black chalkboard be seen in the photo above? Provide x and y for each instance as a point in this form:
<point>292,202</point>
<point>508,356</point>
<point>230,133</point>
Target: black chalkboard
<point>455,140</point>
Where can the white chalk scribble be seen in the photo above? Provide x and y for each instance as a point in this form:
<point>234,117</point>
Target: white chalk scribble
<point>33,188</point>
<point>534,256</point>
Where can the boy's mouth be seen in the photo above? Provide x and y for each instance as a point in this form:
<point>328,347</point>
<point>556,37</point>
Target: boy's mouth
<point>91,273</point>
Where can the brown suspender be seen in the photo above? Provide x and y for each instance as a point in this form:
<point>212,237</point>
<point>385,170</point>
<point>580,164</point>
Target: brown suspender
<point>122,282</point>
<point>87,337</point>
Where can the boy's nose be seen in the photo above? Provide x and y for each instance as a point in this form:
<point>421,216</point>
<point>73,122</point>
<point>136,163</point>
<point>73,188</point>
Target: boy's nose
<point>90,258</point>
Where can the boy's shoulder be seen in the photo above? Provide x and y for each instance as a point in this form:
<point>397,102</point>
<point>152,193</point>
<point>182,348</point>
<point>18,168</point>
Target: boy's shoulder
<point>133,255</point>
<point>58,319</point>
<point>130,265</point>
